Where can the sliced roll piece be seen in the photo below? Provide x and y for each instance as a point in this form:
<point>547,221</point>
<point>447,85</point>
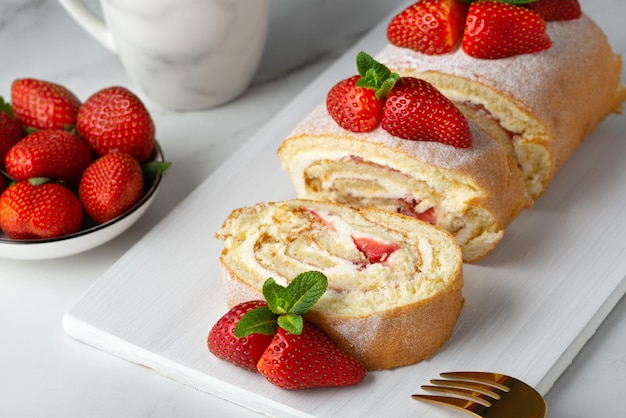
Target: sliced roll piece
<point>394,282</point>
<point>548,101</point>
<point>474,193</point>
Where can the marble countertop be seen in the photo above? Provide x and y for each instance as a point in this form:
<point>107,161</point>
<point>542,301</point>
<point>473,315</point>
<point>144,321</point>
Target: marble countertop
<point>46,373</point>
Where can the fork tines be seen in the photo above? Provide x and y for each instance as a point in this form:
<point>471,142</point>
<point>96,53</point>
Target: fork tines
<point>469,391</point>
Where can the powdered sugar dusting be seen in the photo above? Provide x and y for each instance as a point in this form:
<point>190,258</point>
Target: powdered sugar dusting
<point>319,123</point>
<point>527,77</point>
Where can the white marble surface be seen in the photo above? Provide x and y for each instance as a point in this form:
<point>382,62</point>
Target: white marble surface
<point>45,373</point>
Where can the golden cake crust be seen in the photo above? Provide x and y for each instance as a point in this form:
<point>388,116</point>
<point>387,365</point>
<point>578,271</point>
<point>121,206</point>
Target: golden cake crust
<point>381,335</point>
<point>483,178</point>
<point>550,100</point>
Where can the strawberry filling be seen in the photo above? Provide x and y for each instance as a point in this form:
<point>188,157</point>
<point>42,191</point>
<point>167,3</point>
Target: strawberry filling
<point>480,108</point>
<point>374,251</point>
<point>407,207</point>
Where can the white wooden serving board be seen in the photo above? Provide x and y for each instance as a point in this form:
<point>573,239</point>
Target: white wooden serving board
<point>530,306</point>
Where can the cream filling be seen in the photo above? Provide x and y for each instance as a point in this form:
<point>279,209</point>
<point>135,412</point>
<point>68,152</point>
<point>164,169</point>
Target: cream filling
<point>296,241</point>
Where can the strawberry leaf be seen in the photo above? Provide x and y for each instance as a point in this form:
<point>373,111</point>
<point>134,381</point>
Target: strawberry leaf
<point>5,106</point>
<point>259,320</point>
<point>38,181</point>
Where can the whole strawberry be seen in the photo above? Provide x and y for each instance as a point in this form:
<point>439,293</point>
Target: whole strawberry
<point>308,360</point>
<point>556,9</point>
<point>38,209</point>
<point>495,30</point>
<point>52,153</point>
<point>42,104</point>
<point>244,352</point>
<point>432,27</point>
<point>110,186</point>
<point>297,354</point>
<point>356,103</point>
<point>10,130</point>
<point>115,120</point>
<point>416,110</point>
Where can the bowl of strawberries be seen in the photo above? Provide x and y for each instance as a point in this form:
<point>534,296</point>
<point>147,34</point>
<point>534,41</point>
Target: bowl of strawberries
<point>73,175</point>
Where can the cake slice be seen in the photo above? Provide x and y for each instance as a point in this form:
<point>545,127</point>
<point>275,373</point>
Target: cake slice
<point>548,101</point>
<point>474,193</point>
<point>394,282</point>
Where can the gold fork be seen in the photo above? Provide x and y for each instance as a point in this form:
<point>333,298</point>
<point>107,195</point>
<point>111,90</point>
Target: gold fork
<point>486,395</point>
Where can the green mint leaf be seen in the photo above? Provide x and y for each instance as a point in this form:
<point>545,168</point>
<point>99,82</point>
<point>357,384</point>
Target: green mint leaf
<point>259,320</point>
<point>387,85</point>
<point>305,291</point>
<point>276,296</point>
<point>291,323</point>
<point>375,75</point>
<point>288,304</point>
<point>364,62</point>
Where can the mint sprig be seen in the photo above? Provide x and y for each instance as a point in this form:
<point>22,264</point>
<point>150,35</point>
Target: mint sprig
<point>375,75</point>
<point>286,305</point>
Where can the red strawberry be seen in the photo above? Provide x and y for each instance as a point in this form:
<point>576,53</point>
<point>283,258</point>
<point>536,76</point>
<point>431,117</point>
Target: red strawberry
<point>244,352</point>
<point>56,154</point>
<point>354,108</point>
<point>498,30</point>
<point>374,251</point>
<point>43,105</point>
<point>115,120</point>
<point>273,336</point>
<point>356,103</point>
<point>10,133</point>
<point>110,186</point>
<point>416,110</point>
<point>432,27</point>
<point>556,9</point>
<point>30,210</point>
<point>308,360</point>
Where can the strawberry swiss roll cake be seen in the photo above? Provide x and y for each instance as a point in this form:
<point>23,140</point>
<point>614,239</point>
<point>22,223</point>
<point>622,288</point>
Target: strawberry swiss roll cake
<point>543,71</point>
<point>394,282</point>
<point>420,156</point>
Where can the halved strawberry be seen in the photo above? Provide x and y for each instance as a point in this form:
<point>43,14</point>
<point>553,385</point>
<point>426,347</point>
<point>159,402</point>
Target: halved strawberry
<point>290,352</point>
<point>556,9</point>
<point>432,27</point>
<point>244,352</point>
<point>356,103</point>
<point>416,110</point>
<point>354,108</point>
<point>496,30</point>
<point>308,360</point>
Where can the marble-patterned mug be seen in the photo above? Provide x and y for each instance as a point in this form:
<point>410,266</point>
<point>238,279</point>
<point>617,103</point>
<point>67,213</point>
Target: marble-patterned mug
<point>183,54</point>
